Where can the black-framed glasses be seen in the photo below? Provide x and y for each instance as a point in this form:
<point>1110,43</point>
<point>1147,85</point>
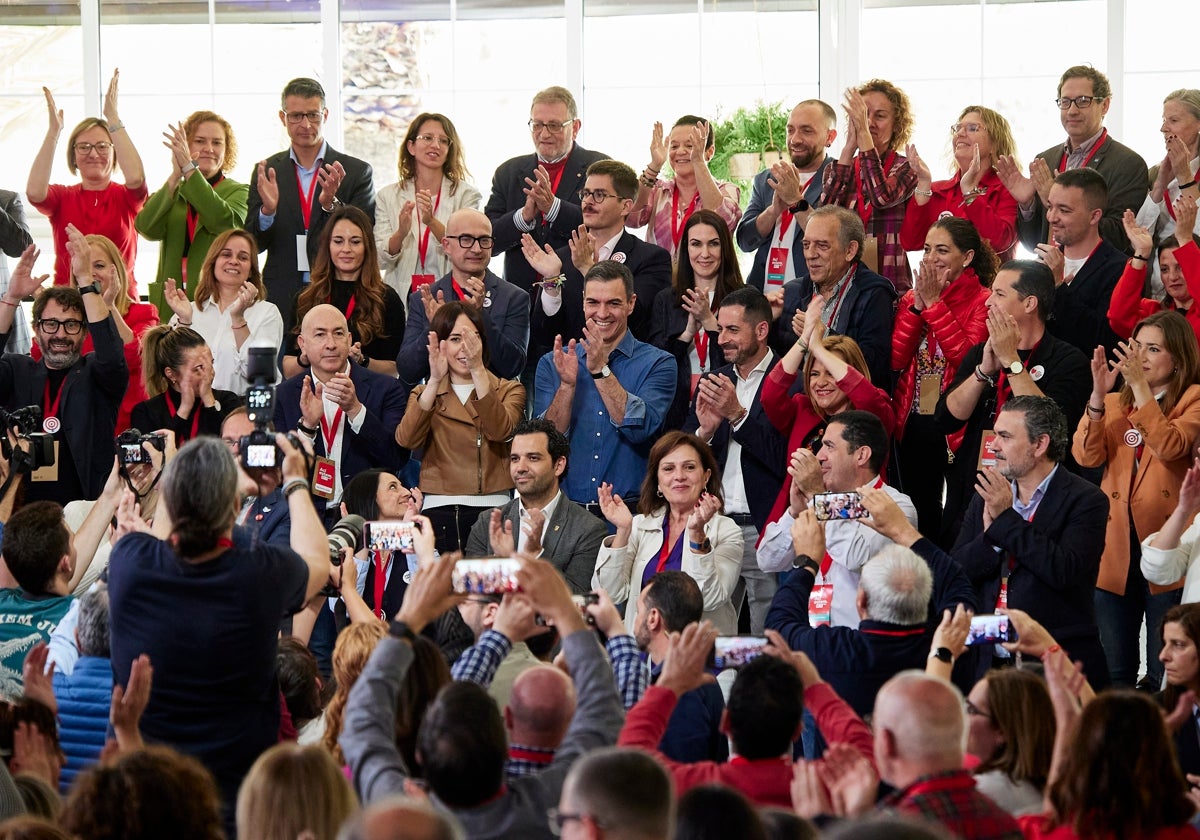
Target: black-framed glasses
<point>466,240</point>
<point>444,142</point>
<point>552,127</point>
<point>599,196</point>
<point>558,819</point>
<point>1064,103</point>
<point>313,117</point>
<point>86,148</point>
<point>50,326</point>
<point>970,128</point>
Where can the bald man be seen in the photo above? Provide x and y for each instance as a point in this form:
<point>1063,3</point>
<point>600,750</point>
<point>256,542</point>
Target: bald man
<point>538,713</point>
<point>350,413</point>
<point>402,818</point>
<point>503,307</point>
<point>919,726</point>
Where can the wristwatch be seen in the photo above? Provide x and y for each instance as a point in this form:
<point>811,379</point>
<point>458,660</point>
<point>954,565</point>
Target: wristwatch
<point>603,374</point>
<point>803,561</point>
<point>400,630</point>
<point>799,207</point>
<point>942,654</point>
<point>1016,368</point>
<point>92,288</point>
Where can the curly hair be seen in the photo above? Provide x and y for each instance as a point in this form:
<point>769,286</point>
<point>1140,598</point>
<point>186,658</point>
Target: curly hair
<point>902,126</point>
<point>350,654</point>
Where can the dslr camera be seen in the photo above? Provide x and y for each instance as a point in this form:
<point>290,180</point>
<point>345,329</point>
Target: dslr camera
<point>347,533</point>
<point>27,422</point>
<point>129,446</point>
<point>258,448</point>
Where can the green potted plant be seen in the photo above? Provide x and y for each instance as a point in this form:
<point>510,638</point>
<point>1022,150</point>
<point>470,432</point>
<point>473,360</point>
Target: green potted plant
<point>748,141</point>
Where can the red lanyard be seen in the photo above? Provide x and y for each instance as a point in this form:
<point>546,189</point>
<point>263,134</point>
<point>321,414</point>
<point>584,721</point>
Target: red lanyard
<point>458,290</point>
<point>379,582</point>
<point>1062,164</point>
<point>701,340</point>
<point>1002,386</point>
<point>827,560</point>
<point>676,222</point>
<point>423,242</point>
<point>349,306</point>
<point>864,207</point>
<point>173,412</point>
<point>306,200</point>
<point>52,410</point>
<point>329,430</point>
<point>785,221</point>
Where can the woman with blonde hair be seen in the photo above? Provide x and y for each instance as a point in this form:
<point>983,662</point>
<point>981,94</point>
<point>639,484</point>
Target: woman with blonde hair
<point>294,792</point>
<point>975,192</point>
<point>1181,135</point>
<point>411,214</point>
<point>231,310</point>
<point>196,203</point>
<point>132,318</point>
<point>871,177</point>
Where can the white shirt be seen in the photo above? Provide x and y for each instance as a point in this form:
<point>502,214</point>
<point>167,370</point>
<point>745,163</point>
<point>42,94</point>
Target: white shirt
<point>850,543</point>
<point>523,516</point>
<point>333,450</point>
<point>733,483</point>
<point>229,363</point>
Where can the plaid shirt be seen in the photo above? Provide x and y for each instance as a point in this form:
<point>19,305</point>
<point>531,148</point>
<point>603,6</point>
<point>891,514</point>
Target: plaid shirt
<point>950,799</point>
<point>479,662</point>
<point>888,194</point>
<point>658,213</point>
<point>526,761</point>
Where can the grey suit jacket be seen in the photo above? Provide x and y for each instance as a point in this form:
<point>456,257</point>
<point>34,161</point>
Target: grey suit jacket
<point>571,541</point>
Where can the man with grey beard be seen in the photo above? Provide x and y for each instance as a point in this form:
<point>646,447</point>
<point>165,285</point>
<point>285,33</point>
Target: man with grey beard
<point>79,395</point>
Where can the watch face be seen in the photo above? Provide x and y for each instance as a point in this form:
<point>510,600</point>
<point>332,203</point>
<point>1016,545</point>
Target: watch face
<point>1016,368</point>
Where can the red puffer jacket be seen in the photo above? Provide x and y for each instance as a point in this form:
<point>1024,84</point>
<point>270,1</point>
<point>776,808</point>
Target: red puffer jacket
<point>957,322</point>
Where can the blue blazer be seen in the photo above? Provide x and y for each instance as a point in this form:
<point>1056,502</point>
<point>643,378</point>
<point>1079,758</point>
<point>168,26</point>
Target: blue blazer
<point>505,322</point>
<point>375,443</point>
<point>748,237</point>
<point>764,450</point>
<point>270,521</point>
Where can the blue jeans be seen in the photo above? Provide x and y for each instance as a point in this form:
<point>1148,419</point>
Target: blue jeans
<point>1120,620</point>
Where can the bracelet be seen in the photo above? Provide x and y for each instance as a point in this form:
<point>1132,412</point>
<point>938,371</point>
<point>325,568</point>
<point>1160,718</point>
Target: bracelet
<point>4,299</point>
<point>703,547</point>
<point>554,282</point>
<point>300,427</point>
<point>1095,410</point>
<point>648,181</point>
<point>113,129</point>
<point>983,377</point>
<point>183,323</point>
<point>803,346</point>
<point>1140,257</point>
<point>293,485</point>
<point>1189,184</point>
<point>241,326</point>
<point>650,168</point>
<point>926,193</point>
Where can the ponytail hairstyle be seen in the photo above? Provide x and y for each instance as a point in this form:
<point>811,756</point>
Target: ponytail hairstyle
<point>164,347</point>
<point>965,237</point>
<point>199,488</point>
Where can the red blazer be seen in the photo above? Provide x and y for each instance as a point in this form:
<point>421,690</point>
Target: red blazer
<point>1127,306</point>
<point>958,321</point>
<point>994,214</point>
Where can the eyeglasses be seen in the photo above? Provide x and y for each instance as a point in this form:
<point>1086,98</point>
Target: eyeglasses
<point>312,117</point>
<point>558,819</point>
<point>466,240</point>
<point>552,127</point>
<point>86,148</point>
<point>970,128</point>
<point>599,196</point>
<point>50,326</point>
<point>1080,102</point>
<point>444,142</point>
<point>232,444</point>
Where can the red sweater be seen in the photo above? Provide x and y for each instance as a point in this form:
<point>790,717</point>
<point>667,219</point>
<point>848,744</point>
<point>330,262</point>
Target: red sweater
<point>766,781</point>
<point>957,322</point>
<point>1127,306</point>
<point>994,214</point>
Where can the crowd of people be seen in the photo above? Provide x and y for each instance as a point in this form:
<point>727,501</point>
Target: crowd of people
<point>859,543</point>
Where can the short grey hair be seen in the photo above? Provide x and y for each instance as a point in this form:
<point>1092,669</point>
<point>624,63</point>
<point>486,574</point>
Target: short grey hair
<point>850,226</point>
<point>199,489</point>
<point>92,630</point>
<point>898,584</point>
<point>1042,417</point>
<point>303,87</point>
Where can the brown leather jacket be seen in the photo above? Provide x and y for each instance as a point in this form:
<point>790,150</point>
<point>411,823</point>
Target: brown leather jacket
<point>466,445</point>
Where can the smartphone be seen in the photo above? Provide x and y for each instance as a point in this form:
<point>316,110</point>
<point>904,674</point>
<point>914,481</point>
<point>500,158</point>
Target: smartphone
<point>732,653</point>
<point>831,506</point>
<point>389,535</point>
<point>582,601</point>
<point>491,576</point>
<point>991,629</point>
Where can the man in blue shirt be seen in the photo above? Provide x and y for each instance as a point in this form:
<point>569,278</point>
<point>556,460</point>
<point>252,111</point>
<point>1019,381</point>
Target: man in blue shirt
<point>608,392</point>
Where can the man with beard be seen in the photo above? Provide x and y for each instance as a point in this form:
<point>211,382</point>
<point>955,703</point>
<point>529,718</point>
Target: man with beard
<point>787,191</point>
<point>541,521</point>
<point>79,395</point>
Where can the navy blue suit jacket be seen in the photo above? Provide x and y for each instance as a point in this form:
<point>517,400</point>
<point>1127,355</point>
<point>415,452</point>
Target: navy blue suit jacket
<point>1057,558</point>
<point>748,237</point>
<point>508,196</point>
<point>375,443</point>
<point>270,520</point>
<point>764,450</point>
<point>505,324</point>
<point>1081,307</point>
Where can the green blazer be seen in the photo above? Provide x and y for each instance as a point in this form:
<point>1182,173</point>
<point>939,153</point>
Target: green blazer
<point>164,219</point>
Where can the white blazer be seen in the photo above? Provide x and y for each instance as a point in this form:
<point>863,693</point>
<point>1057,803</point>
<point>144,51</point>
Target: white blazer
<point>619,570</point>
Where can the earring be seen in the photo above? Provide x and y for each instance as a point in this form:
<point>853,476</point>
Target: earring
<point>966,265</point>
<point>659,492</point>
